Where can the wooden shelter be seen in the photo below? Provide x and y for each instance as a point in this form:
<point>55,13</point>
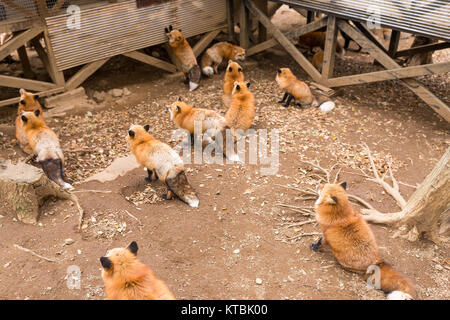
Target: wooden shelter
<point>89,32</point>
<point>429,18</point>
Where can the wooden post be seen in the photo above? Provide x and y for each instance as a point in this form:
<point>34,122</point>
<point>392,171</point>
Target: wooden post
<point>84,73</point>
<point>330,49</point>
<point>205,41</point>
<point>58,75</point>
<point>244,41</point>
<point>262,32</point>
<point>26,66</point>
<point>393,44</point>
<point>230,19</point>
<point>310,16</point>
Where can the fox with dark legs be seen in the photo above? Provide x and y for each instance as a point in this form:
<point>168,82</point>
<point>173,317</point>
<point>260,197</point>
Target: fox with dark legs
<point>162,163</point>
<point>353,243</point>
<point>184,53</point>
<point>127,278</point>
<point>44,143</point>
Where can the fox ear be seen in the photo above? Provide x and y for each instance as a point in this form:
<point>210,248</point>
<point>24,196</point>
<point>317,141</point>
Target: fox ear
<point>147,127</point>
<point>230,61</point>
<point>36,96</point>
<point>179,99</point>
<point>37,112</point>
<point>248,84</point>
<point>170,28</point>
<point>166,30</point>
<point>178,109</point>
<point>279,70</point>
<point>22,91</point>
<point>106,262</point>
<point>344,185</point>
<point>133,247</point>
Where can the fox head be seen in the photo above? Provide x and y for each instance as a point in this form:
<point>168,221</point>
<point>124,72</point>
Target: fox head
<point>28,101</point>
<point>175,36</point>
<point>31,119</point>
<point>137,133</point>
<point>331,195</point>
<point>177,108</point>
<point>241,87</point>
<point>284,73</point>
<point>238,53</point>
<point>118,260</point>
<point>234,71</point>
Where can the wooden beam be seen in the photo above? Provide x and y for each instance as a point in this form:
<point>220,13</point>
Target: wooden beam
<point>244,21</point>
<point>292,35</point>
<point>25,62</point>
<point>330,49</point>
<point>262,32</point>
<point>281,38</point>
<point>393,43</point>
<point>19,41</point>
<point>57,75</point>
<point>428,97</point>
<point>391,74</point>
<point>424,48</point>
<point>84,73</point>
<point>33,85</point>
<point>368,33</point>
<point>205,41</point>
<point>42,53</point>
<point>230,20</point>
<point>145,58</point>
<point>12,101</point>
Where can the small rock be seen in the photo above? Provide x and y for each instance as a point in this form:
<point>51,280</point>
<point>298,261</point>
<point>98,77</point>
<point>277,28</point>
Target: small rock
<point>236,251</point>
<point>258,281</point>
<point>116,92</point>
<point>89,114</point>
<point>99,96</point>
<point>126,92</point>
<point>439,267</point>
<point>69,241</point>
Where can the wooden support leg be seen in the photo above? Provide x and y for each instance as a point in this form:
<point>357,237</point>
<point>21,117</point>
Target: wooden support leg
<point>230,20</point>
<point>56,74</point>
<point>393,44</point>
<point>310,16</point>
<point>19,41</point>
<point>244,21</point>
<point>281,38</point>
<point>415,86</point>
<point>26,66</point>
<point>205,41</point>
<point>262,32</point>
<point>366,31</point>
<point>330,49</point>
<point>84,73</point>
<point>142,57</point>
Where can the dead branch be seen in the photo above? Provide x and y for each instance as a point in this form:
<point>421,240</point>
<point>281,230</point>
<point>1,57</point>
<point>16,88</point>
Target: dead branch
<point>34,253</point>
<point>301,235</point>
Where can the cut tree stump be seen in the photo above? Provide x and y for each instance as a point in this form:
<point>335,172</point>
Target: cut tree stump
<point>24,188</point>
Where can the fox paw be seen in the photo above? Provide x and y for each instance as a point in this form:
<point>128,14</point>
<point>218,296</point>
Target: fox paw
<point>316,246</point>
<point>165,196</point>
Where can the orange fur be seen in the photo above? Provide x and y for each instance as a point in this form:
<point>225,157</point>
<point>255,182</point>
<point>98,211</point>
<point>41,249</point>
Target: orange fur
<point>220,51</point>
<point>241,112</point>
<point>233,73</point>
<point>289,83</point>
<point>317,39</point>
<point>182,50</point>
<point>126,278</point>
<point>28,102</point>
<point>317,60</point>
<point>352,241</point>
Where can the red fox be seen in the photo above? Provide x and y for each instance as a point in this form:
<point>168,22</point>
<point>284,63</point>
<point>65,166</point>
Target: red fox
<point>317,59</point>
<point>353,243</point>
<point>233,73</point>
<point>28,102</point>
<point>241,112</point>
<point>45,145</point>
<point>317,39</point>
<point>214,56</point>
<point>300,92</point>
<point>183,51</point>
<point>126,278</point>
<point>162,163</point>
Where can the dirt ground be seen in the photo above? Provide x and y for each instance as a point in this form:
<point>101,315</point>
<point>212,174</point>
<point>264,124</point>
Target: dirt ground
<point>241,230</point>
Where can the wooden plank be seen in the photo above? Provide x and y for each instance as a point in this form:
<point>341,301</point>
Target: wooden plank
<point>428,97</point>
<point>330,49</point>
<point>366,31</point>
<point>281,38</point>
<point>244,21</point>
<point>19,41</point>
<point>12,101</point>
<point>391,74</point>
<point>25,62</point>
<point>142,57</point>
<point>262,32</point>
<point>424,48</point>
<point>33,85</point>
<point>292,35</point>
<point>205,41</point>
<point>84,73</point>
<point>393,43</point>
<point>230,20</point>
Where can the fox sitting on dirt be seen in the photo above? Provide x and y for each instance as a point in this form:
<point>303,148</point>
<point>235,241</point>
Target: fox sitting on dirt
<point>162,163</point>
<point>126,278</point>
<point>45,145</point>
<point>234,73</point>
<point>300,92</point>
<point>317,39</point>
<point>353,243</point>
<point>183,52</point>
<point>28,102</point>
<point>241,112</point>
<point>214,56</point>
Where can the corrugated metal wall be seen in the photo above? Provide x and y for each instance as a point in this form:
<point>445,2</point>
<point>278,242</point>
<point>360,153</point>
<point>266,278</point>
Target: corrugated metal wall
<point>427,17</point>
<point>114,29</point>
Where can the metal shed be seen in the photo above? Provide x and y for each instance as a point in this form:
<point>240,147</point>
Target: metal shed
<point>429,18</point>
<point>89,32</point>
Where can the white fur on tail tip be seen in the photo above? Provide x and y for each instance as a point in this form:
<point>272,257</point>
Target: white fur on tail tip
<point>208,71</point>
<point>68,186</point>
<point>193,86</point>
<point>398,295</point>
<point>327,106</point>
<point>194,203</point>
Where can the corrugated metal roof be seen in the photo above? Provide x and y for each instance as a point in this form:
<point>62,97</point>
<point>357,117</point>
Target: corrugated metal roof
<point>114,29</point>
<point>425,17</point>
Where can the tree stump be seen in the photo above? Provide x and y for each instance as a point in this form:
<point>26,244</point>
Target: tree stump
<point>24,188</point>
